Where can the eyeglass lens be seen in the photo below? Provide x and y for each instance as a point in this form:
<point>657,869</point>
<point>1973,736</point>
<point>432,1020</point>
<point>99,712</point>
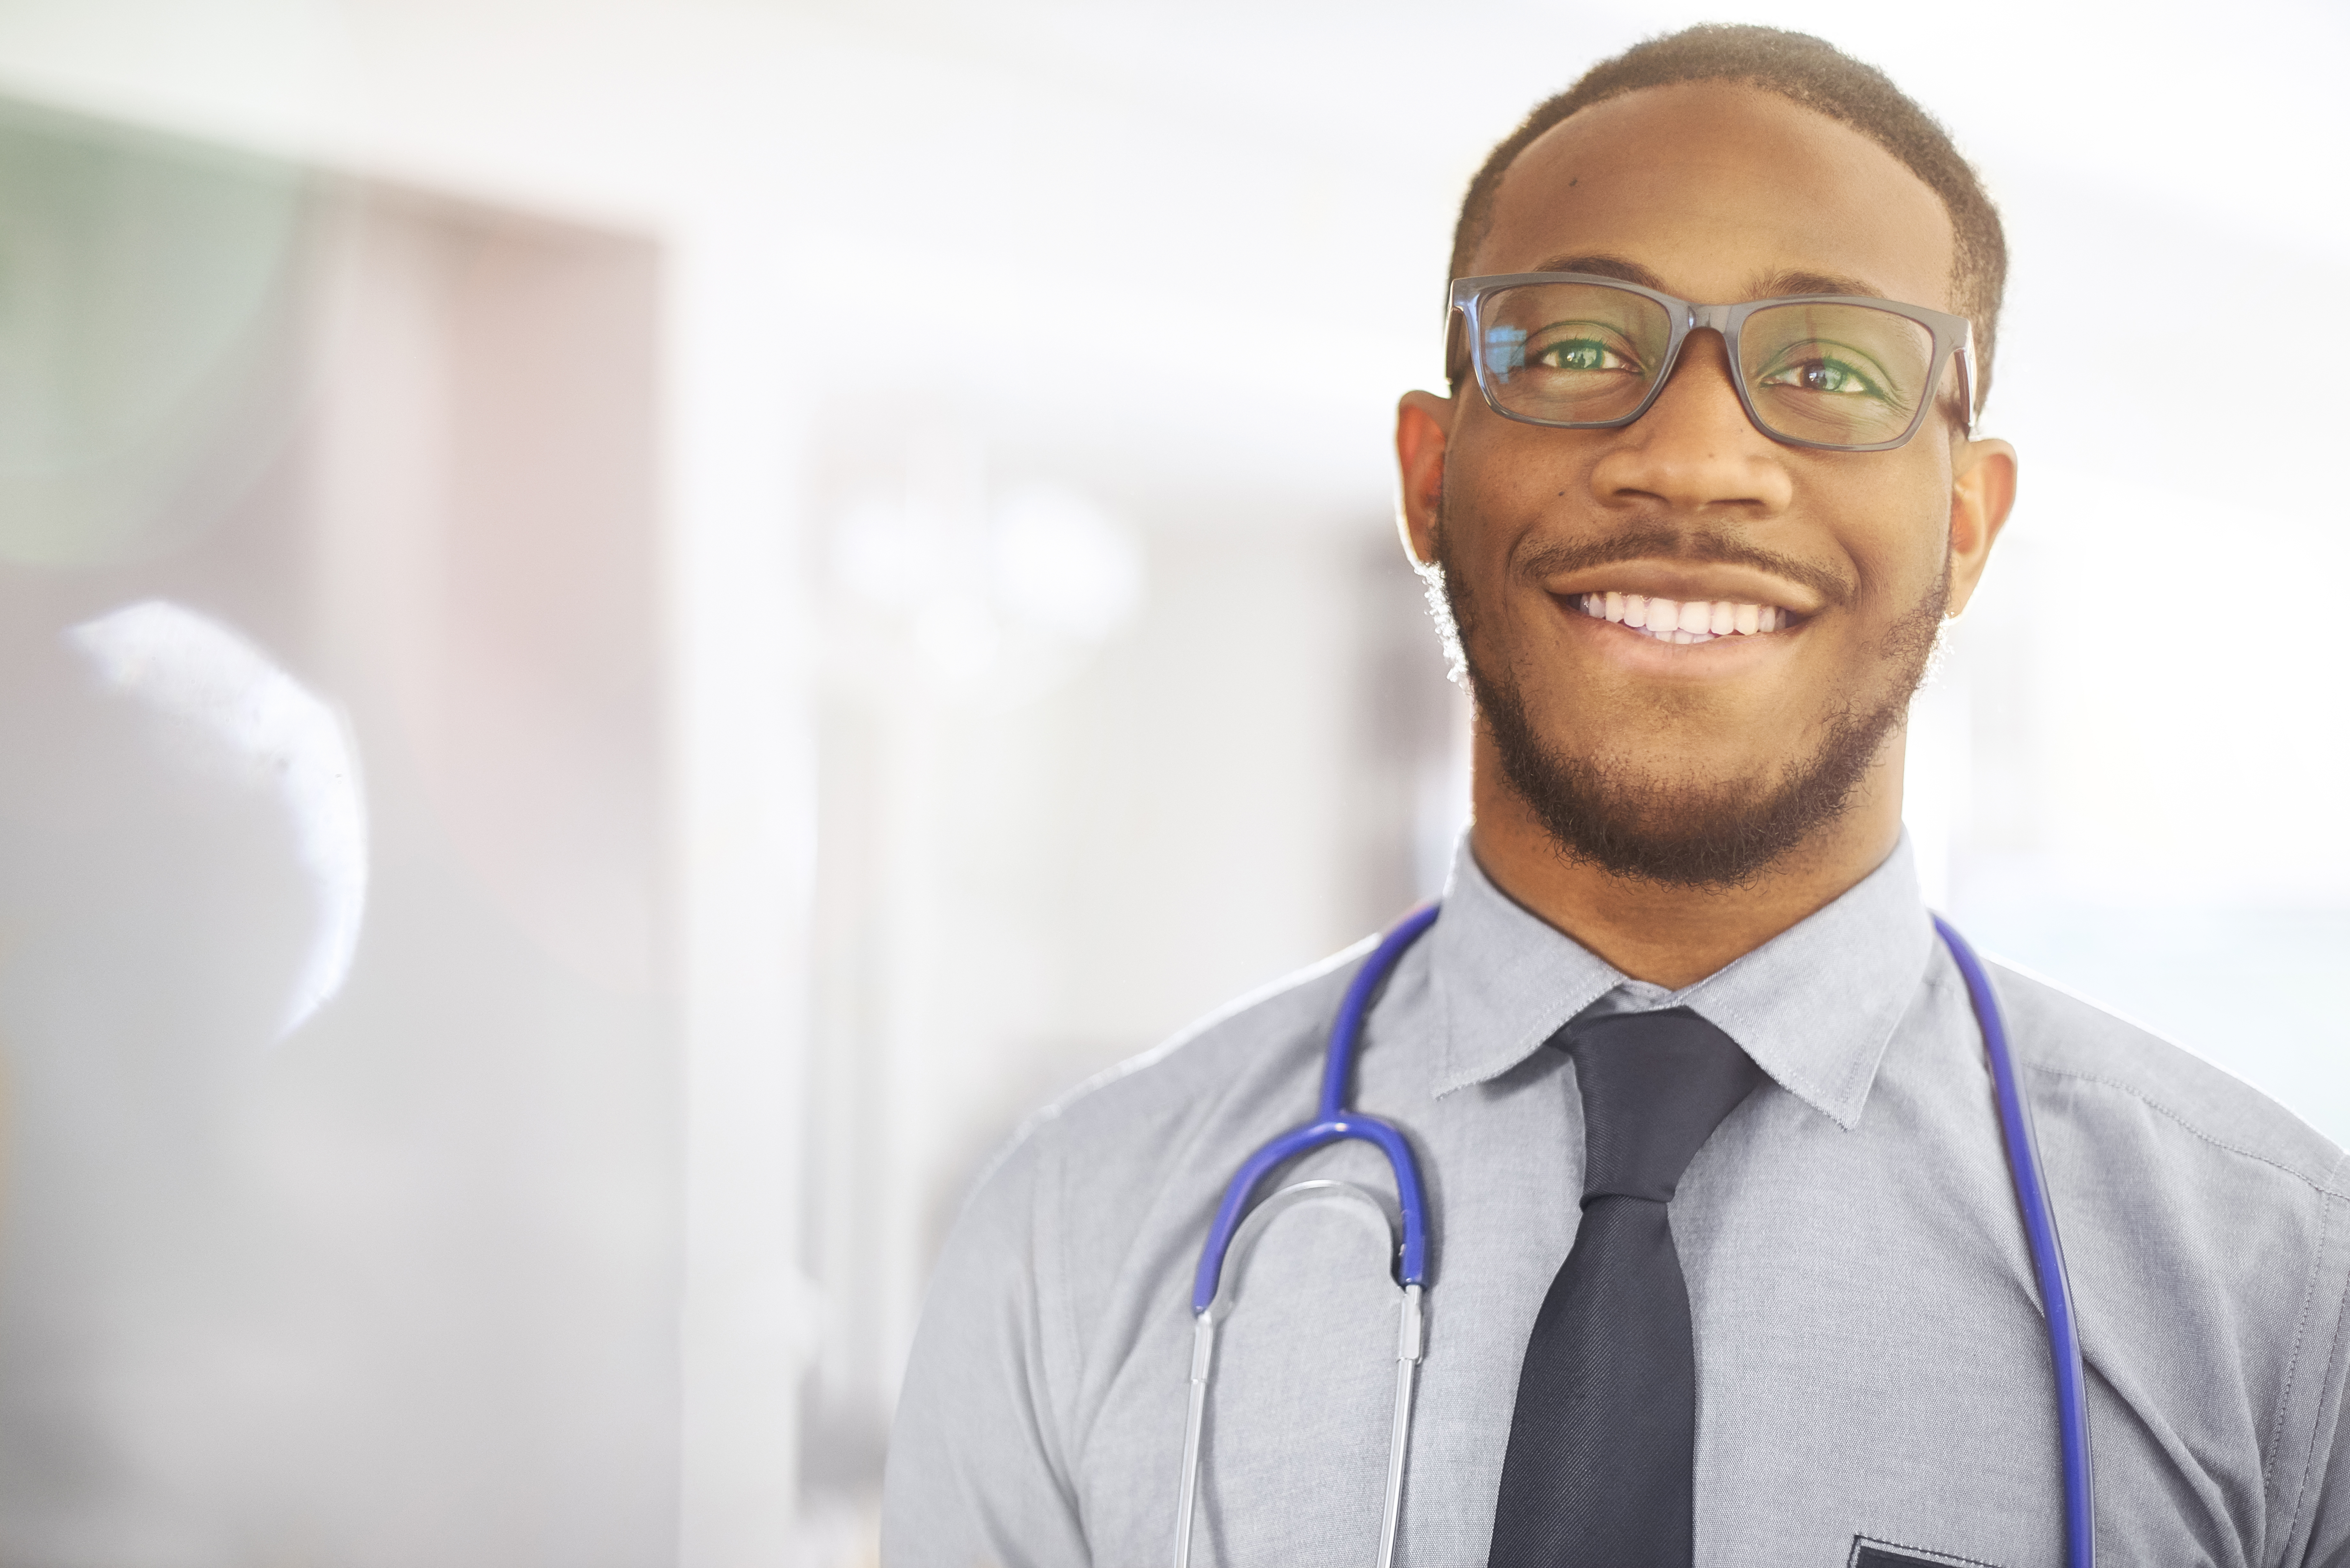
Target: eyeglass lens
<point>1576,353</point>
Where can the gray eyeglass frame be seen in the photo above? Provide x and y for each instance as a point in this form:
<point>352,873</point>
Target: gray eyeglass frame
<point>1953,336</point>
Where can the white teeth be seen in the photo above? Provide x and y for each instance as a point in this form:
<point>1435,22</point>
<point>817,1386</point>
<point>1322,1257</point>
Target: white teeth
<point>1675,621</point>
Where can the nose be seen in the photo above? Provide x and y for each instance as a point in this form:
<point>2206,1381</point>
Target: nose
<point>1695,448</point>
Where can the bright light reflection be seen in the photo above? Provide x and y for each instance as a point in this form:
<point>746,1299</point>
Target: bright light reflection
<point>275,736</point>
<point>1065,564</point>
<point>1011,593</point>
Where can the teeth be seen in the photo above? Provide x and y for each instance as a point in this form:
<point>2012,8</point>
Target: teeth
<point>1669,620</point>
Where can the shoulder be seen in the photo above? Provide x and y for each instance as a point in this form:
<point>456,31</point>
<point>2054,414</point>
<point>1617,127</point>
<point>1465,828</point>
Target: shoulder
<point>2203,1234</point>
<point>2076,1049</point>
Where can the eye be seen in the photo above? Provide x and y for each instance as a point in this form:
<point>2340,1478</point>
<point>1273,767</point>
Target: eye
<point>1826,374</point>
<point>1579,354</point>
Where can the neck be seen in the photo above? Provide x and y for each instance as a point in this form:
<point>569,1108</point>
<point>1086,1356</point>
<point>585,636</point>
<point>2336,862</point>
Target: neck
<point>1672,936</point>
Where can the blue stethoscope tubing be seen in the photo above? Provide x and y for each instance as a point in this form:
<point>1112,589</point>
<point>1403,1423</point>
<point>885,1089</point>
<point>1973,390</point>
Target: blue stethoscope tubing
<point>1335,1123</point>
<point>2047,1255</point>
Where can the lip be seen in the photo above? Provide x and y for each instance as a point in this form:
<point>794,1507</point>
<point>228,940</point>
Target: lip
<point>1682,583</point>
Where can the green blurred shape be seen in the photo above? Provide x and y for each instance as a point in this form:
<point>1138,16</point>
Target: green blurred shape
<point>147,294</point>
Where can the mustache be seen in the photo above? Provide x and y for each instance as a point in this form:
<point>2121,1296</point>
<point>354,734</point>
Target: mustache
<point>1656,542</point>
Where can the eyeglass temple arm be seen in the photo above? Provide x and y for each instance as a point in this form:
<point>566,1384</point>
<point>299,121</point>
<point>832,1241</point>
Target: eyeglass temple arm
<point>1966,357</point>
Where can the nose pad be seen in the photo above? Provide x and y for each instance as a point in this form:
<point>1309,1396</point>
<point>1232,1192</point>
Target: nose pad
<point>1713,318</point>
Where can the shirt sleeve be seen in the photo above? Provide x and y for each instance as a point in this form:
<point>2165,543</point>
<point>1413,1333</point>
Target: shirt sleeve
<point>976,1477</point>
<point>2320,1496</point>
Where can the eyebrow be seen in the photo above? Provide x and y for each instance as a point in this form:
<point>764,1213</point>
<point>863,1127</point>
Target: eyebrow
<point>1770,286</point>
<point>1604,265</point>
<point>1780,283</point>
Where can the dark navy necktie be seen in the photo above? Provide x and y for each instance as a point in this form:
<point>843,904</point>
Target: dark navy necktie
<point>1598,1469</point>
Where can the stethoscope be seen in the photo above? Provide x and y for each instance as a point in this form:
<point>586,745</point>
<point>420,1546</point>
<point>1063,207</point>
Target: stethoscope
<point>1404,1224</point>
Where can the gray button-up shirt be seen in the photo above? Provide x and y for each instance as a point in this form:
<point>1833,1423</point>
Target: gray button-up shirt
<point>1872,1364</point>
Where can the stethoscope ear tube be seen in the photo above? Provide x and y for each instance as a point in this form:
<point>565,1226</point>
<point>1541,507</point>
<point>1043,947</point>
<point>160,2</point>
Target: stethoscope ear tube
<point>1334,1123</point>
<point>1410,1341</point>
<point>2047,1256</point>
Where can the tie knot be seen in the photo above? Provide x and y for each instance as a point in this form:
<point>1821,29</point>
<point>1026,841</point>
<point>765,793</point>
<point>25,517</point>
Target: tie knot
<point>1654,1086</point>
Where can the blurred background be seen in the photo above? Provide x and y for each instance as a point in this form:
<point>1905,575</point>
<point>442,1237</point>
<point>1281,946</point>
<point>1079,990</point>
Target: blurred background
<point>589,714</point>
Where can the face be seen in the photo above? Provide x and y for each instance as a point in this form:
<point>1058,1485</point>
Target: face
<point>1699,761</point>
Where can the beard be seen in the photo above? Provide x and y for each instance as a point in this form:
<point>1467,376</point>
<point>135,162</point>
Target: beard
<point>1601,811</point>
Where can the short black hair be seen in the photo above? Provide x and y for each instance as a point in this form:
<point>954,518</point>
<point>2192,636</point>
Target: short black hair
<point>1805,70</point>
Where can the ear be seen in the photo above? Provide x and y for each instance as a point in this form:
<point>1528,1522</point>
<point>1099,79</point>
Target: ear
<point>1423,425</point>
<point>1982,493</point>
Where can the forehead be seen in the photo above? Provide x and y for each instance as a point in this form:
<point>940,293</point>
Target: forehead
<point>1717,187</point>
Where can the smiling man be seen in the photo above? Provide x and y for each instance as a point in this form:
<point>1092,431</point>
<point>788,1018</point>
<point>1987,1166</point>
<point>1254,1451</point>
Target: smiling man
<point>1723,1258</point>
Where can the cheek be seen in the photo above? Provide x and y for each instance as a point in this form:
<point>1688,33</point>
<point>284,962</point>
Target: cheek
<point>1505,483</point>
<point>1897,536</point>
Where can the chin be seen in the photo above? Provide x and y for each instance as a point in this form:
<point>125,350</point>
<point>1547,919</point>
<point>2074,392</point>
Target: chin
<point>1675,829</point>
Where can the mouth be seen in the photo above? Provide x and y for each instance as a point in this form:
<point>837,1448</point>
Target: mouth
<point>1685,621</point>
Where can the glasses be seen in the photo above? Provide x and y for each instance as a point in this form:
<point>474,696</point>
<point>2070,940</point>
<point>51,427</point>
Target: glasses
<point>1842,372</point>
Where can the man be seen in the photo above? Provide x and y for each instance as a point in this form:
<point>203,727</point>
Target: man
<point>1694,564</point>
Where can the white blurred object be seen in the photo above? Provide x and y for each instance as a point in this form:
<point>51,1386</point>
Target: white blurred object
<point>1004,595</point>
<point>1064,565</point>
<point>274,734</point>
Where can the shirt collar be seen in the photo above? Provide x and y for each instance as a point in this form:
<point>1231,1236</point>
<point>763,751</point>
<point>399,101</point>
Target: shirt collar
<point>1813,1006</point>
